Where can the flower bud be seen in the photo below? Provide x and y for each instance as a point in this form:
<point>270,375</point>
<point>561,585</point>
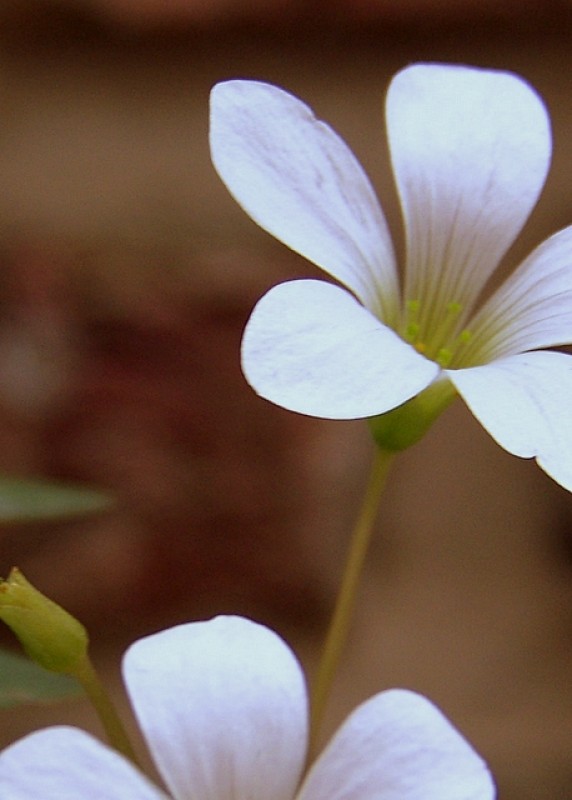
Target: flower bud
<point>49,635</point>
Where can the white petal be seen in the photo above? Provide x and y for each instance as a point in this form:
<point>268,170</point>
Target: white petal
<point>66,764</point>
<point>532,309</point>
<point>470,150</point>
<point>398,746</point>
<point>298,180</point>
<point>222,705</point>
<point>525,403</point>
<point>309,346</point>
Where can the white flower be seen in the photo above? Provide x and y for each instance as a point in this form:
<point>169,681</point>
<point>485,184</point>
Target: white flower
<point>470,150</point>
<point>223,708</point>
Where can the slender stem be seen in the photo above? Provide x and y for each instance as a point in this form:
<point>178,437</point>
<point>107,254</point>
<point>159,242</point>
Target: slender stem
<point>106,711</point>
<point>341,617</point>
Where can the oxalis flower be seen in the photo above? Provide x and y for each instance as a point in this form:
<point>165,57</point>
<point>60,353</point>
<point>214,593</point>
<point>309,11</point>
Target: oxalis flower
<point>223,707</point>
<point>470,150</point>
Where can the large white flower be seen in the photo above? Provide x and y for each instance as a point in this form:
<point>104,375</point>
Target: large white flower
<point>223,708</point>
<point>470,150</point>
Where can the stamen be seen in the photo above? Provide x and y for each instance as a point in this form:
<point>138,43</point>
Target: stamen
<point>461,343</point>
<point>412,332</point>
<point>440,338</point>
<point>411,321</point>
<point>444,357</point>
<point>442,343</point>
<point>454,308</point>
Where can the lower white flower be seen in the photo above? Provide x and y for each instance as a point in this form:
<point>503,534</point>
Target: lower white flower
<point>223,708</point>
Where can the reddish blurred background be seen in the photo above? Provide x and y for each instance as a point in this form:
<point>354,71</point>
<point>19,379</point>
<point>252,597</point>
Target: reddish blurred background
<point>127,276</point>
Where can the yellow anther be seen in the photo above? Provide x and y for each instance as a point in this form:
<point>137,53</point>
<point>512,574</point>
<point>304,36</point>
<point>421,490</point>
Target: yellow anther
<point>444,357</point>
<point>412,332</point>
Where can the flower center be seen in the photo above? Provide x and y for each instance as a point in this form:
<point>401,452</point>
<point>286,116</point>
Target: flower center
<point>439,338</point>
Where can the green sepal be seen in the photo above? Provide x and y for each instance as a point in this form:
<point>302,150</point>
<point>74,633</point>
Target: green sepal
<point>408,423</point>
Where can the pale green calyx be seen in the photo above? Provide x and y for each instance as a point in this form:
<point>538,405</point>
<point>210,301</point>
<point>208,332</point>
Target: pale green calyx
<point>49,635</point>
<point>407,424</point>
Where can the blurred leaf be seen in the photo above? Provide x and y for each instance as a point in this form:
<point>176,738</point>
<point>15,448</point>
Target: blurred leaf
<point>22,681</point>
<point>26,500</point>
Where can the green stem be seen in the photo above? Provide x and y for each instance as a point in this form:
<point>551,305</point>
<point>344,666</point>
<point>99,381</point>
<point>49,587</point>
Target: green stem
<point>341,617</point>
<point>103,705</point>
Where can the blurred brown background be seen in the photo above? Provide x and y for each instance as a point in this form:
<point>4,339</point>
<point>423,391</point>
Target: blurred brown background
<point>127,273</point>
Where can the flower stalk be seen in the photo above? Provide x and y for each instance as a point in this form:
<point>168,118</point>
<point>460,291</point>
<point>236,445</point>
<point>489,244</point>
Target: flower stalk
<point>339,625</point>
<point>99,698</point>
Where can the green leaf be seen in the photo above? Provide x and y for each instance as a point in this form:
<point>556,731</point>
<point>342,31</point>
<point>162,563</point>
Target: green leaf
<point>27,500</point>
<point>21,681</point>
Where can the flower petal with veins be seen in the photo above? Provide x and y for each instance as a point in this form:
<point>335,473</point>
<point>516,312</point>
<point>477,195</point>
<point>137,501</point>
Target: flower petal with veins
<point>525,402</point>
<point>366,757</point>
<point>223,708</point>
<point>312,348</point>
<point>64,763</point>
<point>300,182</point>
<point>470,151</point>
<point>533,307</point>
